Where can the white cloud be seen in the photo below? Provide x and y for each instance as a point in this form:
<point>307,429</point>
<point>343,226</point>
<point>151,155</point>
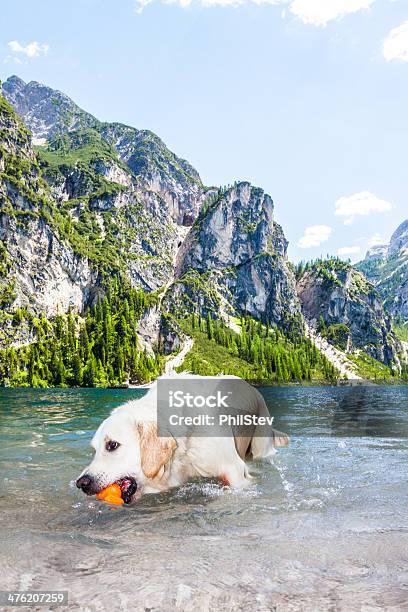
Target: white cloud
<point>314,236</point>
<point>320,12</point>
<point>375,239</point>
<point>315,12</point>
<point>395,46</point>
<point>10,58</point>
<point>33,49</point>
<point>363,203</point>
<point>139,5</point>
<point>348,250</point>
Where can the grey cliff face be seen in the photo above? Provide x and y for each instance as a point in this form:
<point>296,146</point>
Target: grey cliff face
<point>341,295</point>
<point>377,252</point>
<point>237,227</point>
<point>399,240</point>
<point>159,170</point>
<point>393,285</point>
<point>240,251</point>
<point>44,273</point>
<point>94,190</point>
<point>387,267</point>
<point>49,277</point>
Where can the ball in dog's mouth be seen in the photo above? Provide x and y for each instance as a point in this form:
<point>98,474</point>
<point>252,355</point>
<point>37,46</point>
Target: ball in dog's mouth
<point>128,486</point>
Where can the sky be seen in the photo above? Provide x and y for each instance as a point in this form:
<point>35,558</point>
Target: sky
<point>307,99</point>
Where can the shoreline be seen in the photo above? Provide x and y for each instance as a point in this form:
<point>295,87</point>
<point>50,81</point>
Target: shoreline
<point>345,383</point>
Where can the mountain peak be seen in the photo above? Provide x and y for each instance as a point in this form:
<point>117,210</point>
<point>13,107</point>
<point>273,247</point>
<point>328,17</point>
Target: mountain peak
<point>378,251</point>
<point>386,267</point>
<point>46,112</point>
<point>15,82</point>
<point>12,87</point>
<point>399,239</point>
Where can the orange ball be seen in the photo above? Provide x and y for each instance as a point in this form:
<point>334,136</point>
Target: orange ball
<point>112,495</point>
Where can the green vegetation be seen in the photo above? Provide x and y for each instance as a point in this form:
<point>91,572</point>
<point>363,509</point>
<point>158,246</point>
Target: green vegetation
<point>100,349</point>
<point>259,352</point>
<point>331,271</point>
<point>337,334</point>
<point>209,203</point>
<point>22,137</point>
<point>334,271</point>
<point>400,328</point>
<point>328,269</point>
<point>359,285</point>
<point>371,268</point>
<point>208,358</point>
<point>152,152</point>
<point>91,234</point>
<point>84,146</point>
<point>7,295</point>
<point>371,369</point>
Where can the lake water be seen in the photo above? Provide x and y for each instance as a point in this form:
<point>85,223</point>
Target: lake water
<point>322,527</point>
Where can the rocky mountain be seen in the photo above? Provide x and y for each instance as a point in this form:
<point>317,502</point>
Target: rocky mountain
<point>73,212</point>
<point>46,112</point>
<point>237,252</point>
<point>90,210</point>
<point>50,114</point>
<point>386,266</point>
<point>99,216</point>
<point>344,307</point>
<point>39,268</point>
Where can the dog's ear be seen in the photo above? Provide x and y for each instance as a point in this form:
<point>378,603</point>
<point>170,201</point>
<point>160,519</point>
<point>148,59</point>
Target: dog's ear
<point>154,450</point>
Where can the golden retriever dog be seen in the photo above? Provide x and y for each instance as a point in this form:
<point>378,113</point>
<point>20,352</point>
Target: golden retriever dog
<point>129,451</point>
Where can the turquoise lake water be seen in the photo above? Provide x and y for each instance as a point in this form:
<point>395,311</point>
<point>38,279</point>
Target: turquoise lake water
<point>324,526</point>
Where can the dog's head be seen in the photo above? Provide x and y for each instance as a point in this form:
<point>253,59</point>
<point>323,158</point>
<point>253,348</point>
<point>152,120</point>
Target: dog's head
<point>129,452</point>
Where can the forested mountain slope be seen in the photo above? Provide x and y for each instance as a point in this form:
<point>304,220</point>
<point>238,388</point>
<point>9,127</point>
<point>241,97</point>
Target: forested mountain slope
<point>110,243</point>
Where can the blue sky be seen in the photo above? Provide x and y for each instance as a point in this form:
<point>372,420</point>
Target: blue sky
<point>307,99</point>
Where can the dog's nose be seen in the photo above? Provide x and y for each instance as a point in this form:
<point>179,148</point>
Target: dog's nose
<point>85,483</point>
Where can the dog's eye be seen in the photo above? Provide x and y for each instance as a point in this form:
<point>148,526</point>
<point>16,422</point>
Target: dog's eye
<point>111,445</point>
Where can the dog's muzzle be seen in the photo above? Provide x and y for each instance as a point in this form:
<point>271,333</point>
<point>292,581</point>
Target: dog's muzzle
<point>88,485</point>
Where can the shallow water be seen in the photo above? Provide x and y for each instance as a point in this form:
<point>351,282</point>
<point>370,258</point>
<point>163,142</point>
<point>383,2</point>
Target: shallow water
<point>322,527</point>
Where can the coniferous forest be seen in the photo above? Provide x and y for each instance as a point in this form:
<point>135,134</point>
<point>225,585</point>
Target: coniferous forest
<point>259,352</point>
<point>99,349</point>
<point>102,348</point>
